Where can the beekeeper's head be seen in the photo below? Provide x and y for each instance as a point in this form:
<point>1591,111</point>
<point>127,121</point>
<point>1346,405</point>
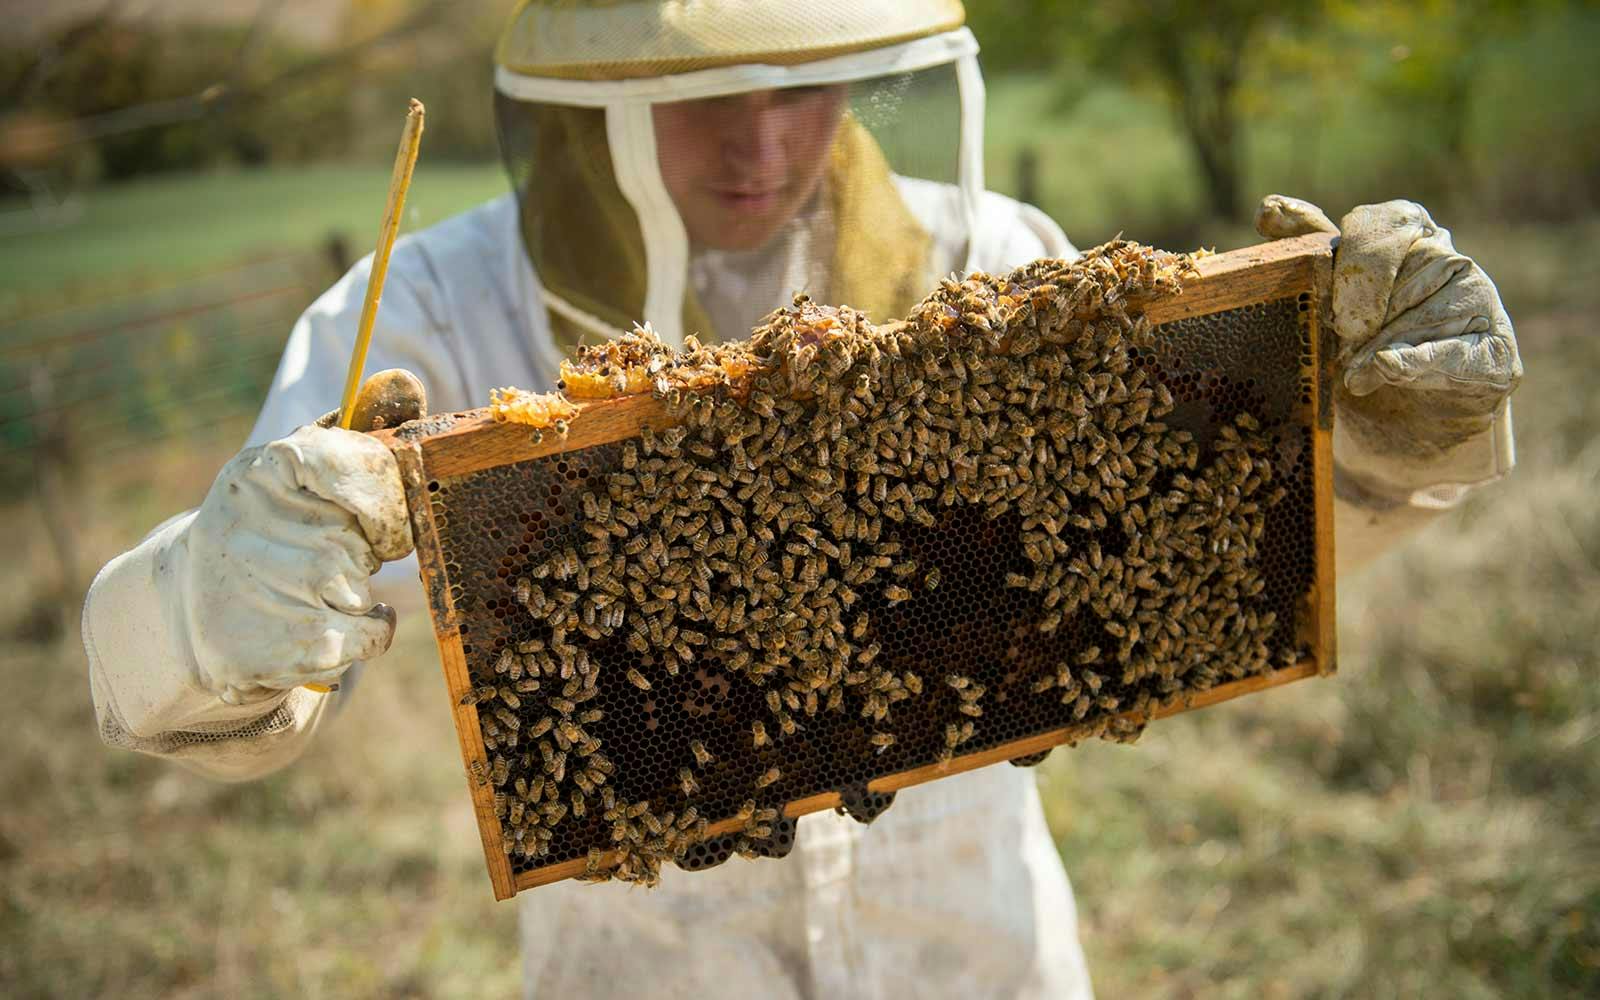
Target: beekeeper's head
<point>738,167</point>
<point>693,163</point>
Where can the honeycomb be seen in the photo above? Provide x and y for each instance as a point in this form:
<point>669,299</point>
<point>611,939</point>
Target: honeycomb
<point>1022,510</point>
<point>535,409</point>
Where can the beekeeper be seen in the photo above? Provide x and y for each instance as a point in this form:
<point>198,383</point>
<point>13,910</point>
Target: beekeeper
<point>693,163</point>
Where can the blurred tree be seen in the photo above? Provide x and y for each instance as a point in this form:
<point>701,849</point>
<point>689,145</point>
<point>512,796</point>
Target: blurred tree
<point>117,88</point>
<point>449,66</point>
<point>148,95</point>
<point>1196,53</point>
<point>1411,77</point>
<point>1429,58</point>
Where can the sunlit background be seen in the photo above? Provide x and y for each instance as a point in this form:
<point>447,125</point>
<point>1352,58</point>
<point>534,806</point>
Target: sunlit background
<point>179,179</point>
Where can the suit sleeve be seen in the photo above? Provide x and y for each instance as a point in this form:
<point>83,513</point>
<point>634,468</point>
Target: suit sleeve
<point>146,691</point>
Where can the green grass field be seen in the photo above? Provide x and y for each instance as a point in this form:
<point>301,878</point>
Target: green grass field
<point>149,230</point>
<point>1420,825</point>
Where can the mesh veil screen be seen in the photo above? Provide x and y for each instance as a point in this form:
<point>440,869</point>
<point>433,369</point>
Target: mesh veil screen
<point>835,190</point>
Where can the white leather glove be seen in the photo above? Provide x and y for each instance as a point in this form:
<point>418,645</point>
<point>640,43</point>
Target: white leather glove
<point>263,589</point>
<point>1427,353</point>
<point>276,566</point>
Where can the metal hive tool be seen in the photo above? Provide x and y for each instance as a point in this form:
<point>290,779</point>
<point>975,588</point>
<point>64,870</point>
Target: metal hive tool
<point>1248,334</point>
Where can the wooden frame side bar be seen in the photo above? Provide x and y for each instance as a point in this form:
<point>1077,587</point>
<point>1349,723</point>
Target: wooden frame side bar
<point>1323,348</point>
<point>452,659</point>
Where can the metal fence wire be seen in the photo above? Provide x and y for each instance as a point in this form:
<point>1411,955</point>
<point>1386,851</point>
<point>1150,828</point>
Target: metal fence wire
<point>134,369</point>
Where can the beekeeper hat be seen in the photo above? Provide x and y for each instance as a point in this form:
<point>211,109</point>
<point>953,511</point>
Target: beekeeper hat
<point>578,86</point>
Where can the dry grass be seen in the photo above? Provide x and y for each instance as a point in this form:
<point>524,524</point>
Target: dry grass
<point>1420,825</point>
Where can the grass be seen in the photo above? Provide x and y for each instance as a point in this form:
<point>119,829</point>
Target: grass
<point>150,229</point>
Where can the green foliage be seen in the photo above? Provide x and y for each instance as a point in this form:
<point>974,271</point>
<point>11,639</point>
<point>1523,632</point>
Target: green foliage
<point>94,69</point>
<point>1197,55</point>
<point>1421,62</point>
<point>1467,104</point>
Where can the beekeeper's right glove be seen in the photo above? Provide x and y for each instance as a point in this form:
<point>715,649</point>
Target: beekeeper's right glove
<point>221,612</point>
<point>1427,355</point>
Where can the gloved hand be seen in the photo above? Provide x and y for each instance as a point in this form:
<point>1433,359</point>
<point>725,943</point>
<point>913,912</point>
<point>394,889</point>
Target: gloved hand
<point>272,572</point>
<point>200,637</point>
<point>1427,355</point>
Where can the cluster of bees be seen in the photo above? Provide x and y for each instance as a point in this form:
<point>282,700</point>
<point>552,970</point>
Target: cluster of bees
<point>756,532</point>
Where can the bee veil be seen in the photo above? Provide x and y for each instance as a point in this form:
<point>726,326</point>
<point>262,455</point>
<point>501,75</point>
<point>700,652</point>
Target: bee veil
<point>694,163</point>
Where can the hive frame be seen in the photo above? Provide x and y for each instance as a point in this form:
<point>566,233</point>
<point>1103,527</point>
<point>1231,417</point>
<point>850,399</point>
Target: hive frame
<point>457,444</point>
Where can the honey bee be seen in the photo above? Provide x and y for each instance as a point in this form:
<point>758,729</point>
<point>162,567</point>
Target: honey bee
<point>768,777</point>
<point>702,756</point>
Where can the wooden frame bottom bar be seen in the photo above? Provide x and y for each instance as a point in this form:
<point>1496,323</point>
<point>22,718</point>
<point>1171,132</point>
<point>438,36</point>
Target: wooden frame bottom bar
<point>970,762</point>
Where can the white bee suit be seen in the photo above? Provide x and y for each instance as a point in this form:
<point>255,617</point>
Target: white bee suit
<point>955,891</point>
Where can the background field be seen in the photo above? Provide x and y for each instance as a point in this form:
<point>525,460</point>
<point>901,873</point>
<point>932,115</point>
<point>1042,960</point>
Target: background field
<point>1423,824</point>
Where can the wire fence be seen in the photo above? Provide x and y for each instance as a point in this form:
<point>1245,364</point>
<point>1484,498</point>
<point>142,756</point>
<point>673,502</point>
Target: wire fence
<point>118,382</point>
<point>133,370</point>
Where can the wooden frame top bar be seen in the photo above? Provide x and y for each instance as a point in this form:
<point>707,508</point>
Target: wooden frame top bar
<point>473,440</point>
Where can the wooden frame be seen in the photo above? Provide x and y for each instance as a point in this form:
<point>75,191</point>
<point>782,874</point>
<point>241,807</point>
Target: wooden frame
<point>467,442</point>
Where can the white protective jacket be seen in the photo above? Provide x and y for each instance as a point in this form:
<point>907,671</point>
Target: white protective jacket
<point>956,891</point>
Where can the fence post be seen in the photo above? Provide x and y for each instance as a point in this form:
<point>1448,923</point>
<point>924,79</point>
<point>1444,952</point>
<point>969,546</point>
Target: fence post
<point>52,466</point>
<point>336,249</point>
<point>1028,176</point>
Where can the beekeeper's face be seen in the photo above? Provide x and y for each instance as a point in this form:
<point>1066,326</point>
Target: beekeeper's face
<point>739,167</point>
